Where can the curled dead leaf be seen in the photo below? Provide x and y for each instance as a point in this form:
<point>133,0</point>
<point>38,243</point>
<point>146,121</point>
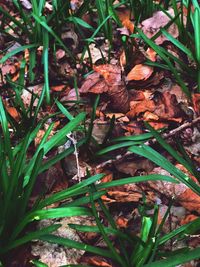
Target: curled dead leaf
<point>95,261</point>
<point>152,25</point>
<point>128,24</point>
<point>196,103</point>
<point>108,79</point>
<point>139,72</point>
<point>162,107</point>
<point>180,192</point>
<point>122,222</point>
<point>13,113</point>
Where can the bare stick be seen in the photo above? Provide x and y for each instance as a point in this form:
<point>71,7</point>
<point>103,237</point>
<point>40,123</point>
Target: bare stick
<point>165,136</point>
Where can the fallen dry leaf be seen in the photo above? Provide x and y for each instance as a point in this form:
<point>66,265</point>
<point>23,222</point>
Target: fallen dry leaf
<point>151,54</point>
<point>189,218</point>
<point>152,25</point>
<point>151,82</point>
<point>108,79</point>
<point>129,25</point>
<point>131,167</point>
<point>13,113</point>
<point>123,13</point>
<point>58,88</point>
<point>95,53</point>
<point>118,116</point>
<point>60,53</point>
<point>196,103</point>
<point>95,261</point>
<point>139,72</point>
<point>180,192</point>
<point>122,222</point>
<point>161,107</point>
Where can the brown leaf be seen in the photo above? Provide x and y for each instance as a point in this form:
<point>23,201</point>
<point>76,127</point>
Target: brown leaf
<point>140,107</point>
<point>128,24</point>
<point>95,260</point>
<point>151,54</point>
<point>131,167</point>
<point>158,125</point>
<point>123,14</point>
<point>180,192</point>
<point>152,25</point>
<point>122,222</point>
<point>151,82</point>
<point>58,88</point>
<point>60,53</point>
<point>108,79</point>
<point>13,113</point>
<point>196,103</point>
<point>139,72</point>
<point>120,196</point>
<point>163,107</point>
<point>189,218</point>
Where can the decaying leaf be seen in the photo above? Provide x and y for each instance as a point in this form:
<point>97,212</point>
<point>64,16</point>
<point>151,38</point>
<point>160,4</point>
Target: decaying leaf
<point>13,113</point>
<point>180,192</point>
<point>96,53</point>
<point>196,103</point>
<point>131,167</point>
<point>108,79</point>
<point>152,25</point>
<point>95,261</point>
<point>140,72</point>
<point>32,90</point>
<point>162,106</point>
<point>128,25</point>
<point>126,193</point>
<point>122,222</point>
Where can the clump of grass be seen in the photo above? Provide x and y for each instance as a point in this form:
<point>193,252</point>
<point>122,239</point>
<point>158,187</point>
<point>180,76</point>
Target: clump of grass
<point>188,43</point>
<point>18,176</point>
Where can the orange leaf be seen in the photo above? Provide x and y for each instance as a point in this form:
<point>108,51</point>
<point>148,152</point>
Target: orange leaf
<point>196,103</point>
<point>13,113</point>
<point>140,72</point>
<point>151,54</point>
<point>122,222</point>
<point>58,88</point>
<point>129,25</point>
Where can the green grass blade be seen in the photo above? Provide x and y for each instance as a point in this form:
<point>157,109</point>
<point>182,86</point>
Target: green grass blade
<point>30,236</point>
<point>158,159</point>
<point>63,132</point>
<point>77,245</point>
<point>46,62</point>
<point>76,189</point>
<point>136,179</point>
<point>38,263</point>
<point>112,249</point>
<point>169,148</point>
<point>179,258</point>
<point>117,146</point>
<point>17,50</point>
<point>49,29</point>
<point>178,44</point>
<point>49,214</point>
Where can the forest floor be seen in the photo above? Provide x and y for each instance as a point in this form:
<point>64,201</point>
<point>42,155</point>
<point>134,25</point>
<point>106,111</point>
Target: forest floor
<point>135,76</point>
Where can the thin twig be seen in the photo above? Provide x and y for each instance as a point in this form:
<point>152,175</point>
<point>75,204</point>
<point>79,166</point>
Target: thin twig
<point>152,141</point>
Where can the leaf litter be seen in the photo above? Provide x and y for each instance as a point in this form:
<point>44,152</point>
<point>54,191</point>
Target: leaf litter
<point>131,92</point>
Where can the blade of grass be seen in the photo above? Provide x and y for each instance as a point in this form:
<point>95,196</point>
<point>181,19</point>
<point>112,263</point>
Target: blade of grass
<point>179,258</point>
<point>158,159</point>
<point>74,244</point>
<point>49,29</point>
<point>15,51</point>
